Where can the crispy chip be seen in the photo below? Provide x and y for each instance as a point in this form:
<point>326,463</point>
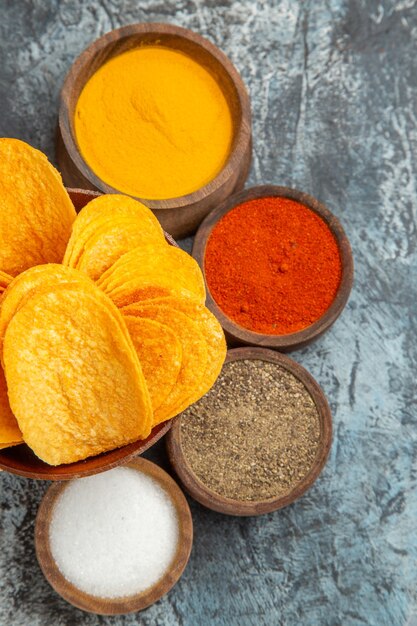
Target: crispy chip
<point>75,383</point>
<point>36,212</point>
<point>166,267</point>
<point>194,355</point>
<point>213,334</point>
<point>102,211</point>
<point>5,280</point>
<point>112,241</point>
<point>160,355</point>
<point>10,445</point>
<point>37,280</point>
<point>25,284</point>
<point>110,205</point>
<point>10,434</point>
<point>148,293</point>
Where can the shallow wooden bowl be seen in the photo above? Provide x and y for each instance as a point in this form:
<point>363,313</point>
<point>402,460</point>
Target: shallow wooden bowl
<point>179,216</point>
<point>237,334</point>
<point>212,500</point>
<point>128,604</point>
<point>21,460</point>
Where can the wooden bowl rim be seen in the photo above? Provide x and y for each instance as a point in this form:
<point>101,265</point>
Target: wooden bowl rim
<point>212,500</point>
<point>242,135</point>
<point>302,337</point>
<point>51,472</point>
<point>114,457</point>
<point>127,604</point>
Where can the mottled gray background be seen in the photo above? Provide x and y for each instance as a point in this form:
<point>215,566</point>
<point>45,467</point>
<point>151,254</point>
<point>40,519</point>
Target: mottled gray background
<point>334,89</point>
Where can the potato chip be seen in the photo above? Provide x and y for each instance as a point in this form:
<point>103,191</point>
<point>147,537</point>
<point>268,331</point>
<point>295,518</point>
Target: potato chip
<point>167,267</point>
<point>213,334</point>
<point>74,380</point>
<point>36,213</point>
<point>110,242</point>
<point>102,211</point>
<point>37,280</point>
<point>148,293</point>
<point>25,284</point>
<point>130,233</point>
<point>110,205</point>
<point>10,445</point>
<point>160,355</point>
<point>194,355</point>
<point>10,434</point>
<point>5,281</point>
<point>155,258</point>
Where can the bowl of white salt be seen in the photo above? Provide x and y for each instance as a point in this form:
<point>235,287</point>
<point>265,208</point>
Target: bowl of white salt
<point>116,542</point>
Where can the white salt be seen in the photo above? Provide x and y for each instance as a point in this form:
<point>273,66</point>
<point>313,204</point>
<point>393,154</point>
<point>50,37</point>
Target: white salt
<point>114,534</point>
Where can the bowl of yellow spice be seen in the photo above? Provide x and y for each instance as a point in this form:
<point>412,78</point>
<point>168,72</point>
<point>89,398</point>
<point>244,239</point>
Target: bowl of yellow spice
<point>159,113</point>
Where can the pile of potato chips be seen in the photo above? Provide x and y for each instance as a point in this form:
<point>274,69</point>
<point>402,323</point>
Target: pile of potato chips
<point>103,328</point>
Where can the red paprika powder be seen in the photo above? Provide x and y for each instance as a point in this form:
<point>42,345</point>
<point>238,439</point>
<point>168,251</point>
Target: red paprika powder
<point>272,265</point>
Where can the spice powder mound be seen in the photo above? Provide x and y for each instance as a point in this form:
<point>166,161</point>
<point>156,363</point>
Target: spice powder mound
<point>273,266</point>
<point>154,123</point>
<point>255,435</point>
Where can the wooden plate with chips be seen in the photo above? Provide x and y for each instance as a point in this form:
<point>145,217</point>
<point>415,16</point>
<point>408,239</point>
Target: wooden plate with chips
<point>22,461</point>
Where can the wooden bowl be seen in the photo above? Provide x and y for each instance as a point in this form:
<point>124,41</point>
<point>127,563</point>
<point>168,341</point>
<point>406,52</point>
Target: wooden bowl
<point>212,500</point>
<point>238,335</point>
<point>21,460</point>
<point>180,216</point>
<point>128,604</point>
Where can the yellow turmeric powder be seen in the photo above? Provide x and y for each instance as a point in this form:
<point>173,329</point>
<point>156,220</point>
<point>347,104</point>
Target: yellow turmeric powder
<point>153,123</point>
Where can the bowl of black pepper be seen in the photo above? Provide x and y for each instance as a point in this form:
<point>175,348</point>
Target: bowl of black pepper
<point>258,440</point>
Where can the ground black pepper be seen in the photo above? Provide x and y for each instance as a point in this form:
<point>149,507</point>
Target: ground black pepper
<point>255,435</point>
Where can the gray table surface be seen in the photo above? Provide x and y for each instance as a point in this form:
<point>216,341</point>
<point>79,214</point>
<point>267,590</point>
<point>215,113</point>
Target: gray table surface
<point>333,87</point>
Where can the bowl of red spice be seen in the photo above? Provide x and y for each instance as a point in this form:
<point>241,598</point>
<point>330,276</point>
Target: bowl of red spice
<point>278,267</point>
